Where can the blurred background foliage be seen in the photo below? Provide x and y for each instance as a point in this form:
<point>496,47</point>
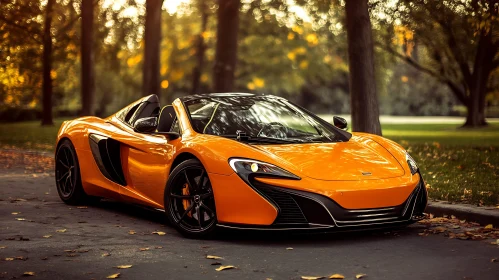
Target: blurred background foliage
<point>291,48</point>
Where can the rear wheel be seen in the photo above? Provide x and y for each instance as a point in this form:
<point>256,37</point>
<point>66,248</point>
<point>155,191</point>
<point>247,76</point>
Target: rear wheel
<point>189,200</point>
<point>67,175</point>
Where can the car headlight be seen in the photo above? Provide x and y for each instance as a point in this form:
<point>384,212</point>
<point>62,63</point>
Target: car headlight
<point>412,164</point>
<point>248,168</point>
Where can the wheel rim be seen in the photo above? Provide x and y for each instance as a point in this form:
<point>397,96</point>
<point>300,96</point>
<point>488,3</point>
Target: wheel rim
<point>192,202</point>
<point>65,171</point>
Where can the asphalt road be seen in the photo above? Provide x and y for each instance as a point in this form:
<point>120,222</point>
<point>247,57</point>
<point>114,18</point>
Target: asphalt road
<point>97,239</point>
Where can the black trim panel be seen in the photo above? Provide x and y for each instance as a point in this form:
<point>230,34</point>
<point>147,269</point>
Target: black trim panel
<point>106,152</point>
<point>321,211</point>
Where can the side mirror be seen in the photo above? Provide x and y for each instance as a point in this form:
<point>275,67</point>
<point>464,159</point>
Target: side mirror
<point>146,125</point>
<point>339,122</point>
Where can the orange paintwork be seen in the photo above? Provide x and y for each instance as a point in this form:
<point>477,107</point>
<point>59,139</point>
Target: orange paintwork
<point>331,169</point>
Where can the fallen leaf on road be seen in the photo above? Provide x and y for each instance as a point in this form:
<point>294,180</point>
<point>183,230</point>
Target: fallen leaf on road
<point>289,248</point>
<point>21,258</point>
<point>106,255</point>
<point>144,249</point>
<point>29,273</point>
<point>124,266</point>
<point>439,229</point>
<point>69,251</point>
<point>494,260</point>
<point>158,247</point>
<point>82,207</point>
<point>47,236</point>
<point>214,257</point>
<point>360,275</point>
<point>158,232</point>
<point>3,247</point>
<point>336,276</point>
<point>131,232</point>
<point>16,213</point>
<point>224,267</point>
<point>21,219</point>
<point>489,226</point>
<point>113,276</point>
<point>61,230</point>
<point>312,277</point>
<point>9,259</point>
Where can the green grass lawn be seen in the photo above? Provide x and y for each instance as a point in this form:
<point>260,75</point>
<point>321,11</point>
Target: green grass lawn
<point>459,165</point>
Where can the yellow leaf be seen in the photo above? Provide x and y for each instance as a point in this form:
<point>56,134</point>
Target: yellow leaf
<point>144,249</point>
<point>336,276</point>
<point>105,255</point>
<point>159,233</point>
<point>29,273</point>
<point>360,275</point>
<point>214,257</point>
<point>489,226</point>
<point>224,267</point>
<point>53,74</point>
<point>259,83</point>
<point>303,64</point>
<point>113,276</point>
<point>47,236</point>
<point>3,247</point>
<point>61,230</point>
<point>21,219</point>
<point>289,248</point>
<point>124,266</point>
<point>16,213</point>
<point>9,259</point>
<point>312,39</point>
<point>312,277</point>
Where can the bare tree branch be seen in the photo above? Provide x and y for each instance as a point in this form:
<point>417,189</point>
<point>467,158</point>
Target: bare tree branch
<point>460,94</point>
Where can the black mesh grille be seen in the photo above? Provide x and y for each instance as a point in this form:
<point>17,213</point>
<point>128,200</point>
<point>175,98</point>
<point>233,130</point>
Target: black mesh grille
<point>289,211</point>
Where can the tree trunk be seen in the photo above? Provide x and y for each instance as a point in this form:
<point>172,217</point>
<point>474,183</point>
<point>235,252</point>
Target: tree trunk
<point>200,49</point>
<point>226,48</point>
<point>47,66</point>
<point>364,101</point>
<point>87,58</point>
<point>478,84</point>
<point>152,40</point>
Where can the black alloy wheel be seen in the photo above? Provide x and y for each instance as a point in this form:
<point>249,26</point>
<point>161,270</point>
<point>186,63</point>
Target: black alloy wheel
<point>67,174</point>
<point>189,200</point>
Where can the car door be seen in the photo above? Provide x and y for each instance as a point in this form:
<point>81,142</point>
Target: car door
<point>145,160</point>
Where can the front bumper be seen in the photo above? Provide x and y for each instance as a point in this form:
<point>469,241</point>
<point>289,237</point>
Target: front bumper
<point>297,209</point>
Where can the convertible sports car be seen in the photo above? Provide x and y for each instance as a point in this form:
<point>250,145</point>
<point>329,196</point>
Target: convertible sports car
<point>239,160</point>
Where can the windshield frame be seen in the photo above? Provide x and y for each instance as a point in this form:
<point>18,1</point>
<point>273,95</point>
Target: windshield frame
<point>340,135</point>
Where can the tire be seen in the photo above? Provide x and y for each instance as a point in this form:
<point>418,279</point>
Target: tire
<point>67,175</point>
<point>190,202</point>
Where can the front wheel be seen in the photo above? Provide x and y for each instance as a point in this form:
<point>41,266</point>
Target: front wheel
<point>189,200</point>
<point>67,175</point>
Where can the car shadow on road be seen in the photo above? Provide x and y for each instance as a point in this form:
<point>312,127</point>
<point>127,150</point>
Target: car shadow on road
<point>262,237</point>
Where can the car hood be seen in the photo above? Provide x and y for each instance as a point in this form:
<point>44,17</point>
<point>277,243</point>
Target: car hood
<point>360,158</point>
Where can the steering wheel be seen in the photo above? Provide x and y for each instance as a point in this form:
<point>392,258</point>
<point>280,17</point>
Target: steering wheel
<point>274,129</point>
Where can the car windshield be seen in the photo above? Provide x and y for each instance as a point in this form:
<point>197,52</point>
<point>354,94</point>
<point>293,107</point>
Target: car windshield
<point>257,118</point>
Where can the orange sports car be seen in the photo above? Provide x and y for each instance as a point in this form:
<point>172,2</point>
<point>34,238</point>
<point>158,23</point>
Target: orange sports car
<point>239,160</point>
